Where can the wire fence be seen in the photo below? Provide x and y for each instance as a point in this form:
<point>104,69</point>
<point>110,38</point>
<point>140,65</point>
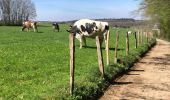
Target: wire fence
<point>121,41</point>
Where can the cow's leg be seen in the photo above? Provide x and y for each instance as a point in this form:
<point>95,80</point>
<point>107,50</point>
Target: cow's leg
<point>23,28</point>
<point>84,40</point>
<point>54,28</point>
<point>79,37</point>
<point>101,39</point>
<point>34,28</point>
<point>58,28</point>
<point>105,38</point>
<point>27,29</point>
<point>81,44</point>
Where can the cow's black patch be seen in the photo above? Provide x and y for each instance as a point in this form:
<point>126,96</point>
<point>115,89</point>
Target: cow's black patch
<point>106,27</point>
<point>83,29</point>
<point>96,27</point>
<point>90,27</point>
<point>94,23</point>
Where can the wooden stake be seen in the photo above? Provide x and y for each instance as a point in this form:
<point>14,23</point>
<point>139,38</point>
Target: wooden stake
<point>72,59</point>
<point>136,41</point>
<point>141,37</point>
<point>107,48</point>
<point>116,47</point>
<point>138,37</point>
<point>100,57</point>
<point>127,44</point>
<point>147,37</point>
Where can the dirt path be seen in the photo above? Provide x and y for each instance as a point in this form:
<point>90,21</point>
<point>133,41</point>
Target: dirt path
<point>149,79</point>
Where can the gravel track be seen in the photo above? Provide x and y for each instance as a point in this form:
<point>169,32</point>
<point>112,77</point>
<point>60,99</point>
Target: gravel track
<point>148,79</point>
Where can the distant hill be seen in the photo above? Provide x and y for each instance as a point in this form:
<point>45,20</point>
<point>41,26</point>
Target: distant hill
<point>121,22</point>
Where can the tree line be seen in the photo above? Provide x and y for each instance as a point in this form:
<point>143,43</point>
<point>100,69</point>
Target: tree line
<point>159,12</point>
<point>14,12</point>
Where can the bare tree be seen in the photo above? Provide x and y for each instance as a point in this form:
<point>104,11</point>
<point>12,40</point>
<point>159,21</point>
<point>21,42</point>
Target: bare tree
<point>13,12</point>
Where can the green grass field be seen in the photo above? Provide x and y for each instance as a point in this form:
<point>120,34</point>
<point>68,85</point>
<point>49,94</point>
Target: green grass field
<point>36,65</point>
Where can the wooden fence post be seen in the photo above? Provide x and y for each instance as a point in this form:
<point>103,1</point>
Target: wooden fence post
<point>100,57</point>
<point>136,41</point>
<point>72,59</point>
<point>147,37</point>
<point>138,37</point>
<point>107,48</point>
<point>141,37</point>
<point>127,44</point>
<point>116,47</point>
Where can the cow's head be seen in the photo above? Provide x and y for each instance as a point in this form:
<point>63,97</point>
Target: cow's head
<point>54,23</point>
<point>74,29</point>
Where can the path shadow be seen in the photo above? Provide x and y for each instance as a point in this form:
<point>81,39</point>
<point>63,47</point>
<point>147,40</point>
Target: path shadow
<point>132,74</point>
<point>164,44</point>
<point>136,70</point>
<point>114,79</point>
<point>164,62</point>
<point>168,55</point>
<point>121,83</point>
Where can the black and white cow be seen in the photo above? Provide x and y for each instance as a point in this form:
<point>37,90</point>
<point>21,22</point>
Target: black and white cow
<point>89,28</point>
<point>55,26</point>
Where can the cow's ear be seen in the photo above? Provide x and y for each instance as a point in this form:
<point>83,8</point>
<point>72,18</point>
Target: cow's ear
<point>71,26</point>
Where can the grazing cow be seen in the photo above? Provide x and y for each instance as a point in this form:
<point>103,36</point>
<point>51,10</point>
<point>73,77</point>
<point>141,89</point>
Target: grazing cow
<point>56,26</point>
<point>130,32</point>
<point>89,28</point>
<point>28,25</point>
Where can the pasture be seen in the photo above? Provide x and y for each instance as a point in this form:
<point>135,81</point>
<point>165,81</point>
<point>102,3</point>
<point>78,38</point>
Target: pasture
<point>36,65</point>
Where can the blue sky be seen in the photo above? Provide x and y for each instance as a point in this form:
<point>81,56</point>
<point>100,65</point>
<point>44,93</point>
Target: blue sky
<point>63,10</point>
